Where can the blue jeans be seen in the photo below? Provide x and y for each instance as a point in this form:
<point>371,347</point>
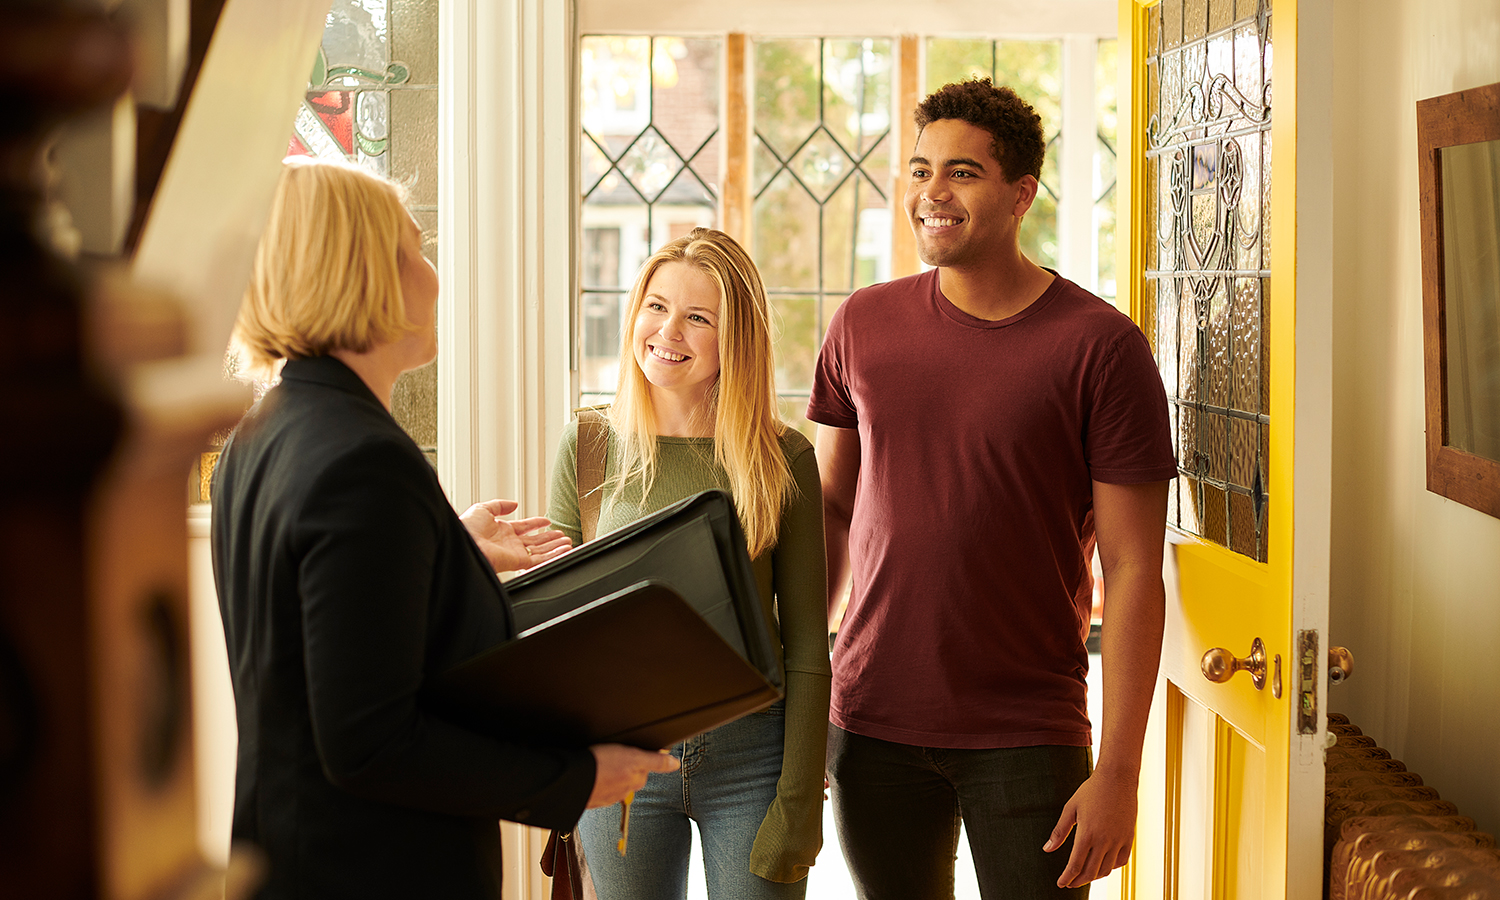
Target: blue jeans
<point>726,784</point>
<point>897,808</point>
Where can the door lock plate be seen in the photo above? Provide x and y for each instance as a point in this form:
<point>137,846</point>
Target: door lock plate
<point>1307,682</point>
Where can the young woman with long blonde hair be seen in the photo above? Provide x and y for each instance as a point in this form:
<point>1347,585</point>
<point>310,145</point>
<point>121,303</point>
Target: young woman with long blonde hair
<point>696,409</point>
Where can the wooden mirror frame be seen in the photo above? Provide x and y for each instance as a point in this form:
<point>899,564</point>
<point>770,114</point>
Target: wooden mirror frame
<point>1465,117</point>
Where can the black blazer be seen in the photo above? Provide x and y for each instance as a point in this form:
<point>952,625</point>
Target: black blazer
<point>345,579</point>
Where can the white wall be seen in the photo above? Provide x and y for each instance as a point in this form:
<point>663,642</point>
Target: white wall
<point>1416,577</point>
<point>832,17</point>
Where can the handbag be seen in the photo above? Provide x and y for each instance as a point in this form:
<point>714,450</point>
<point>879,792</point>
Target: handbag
<point>569,878</point>
<point>563,861</point>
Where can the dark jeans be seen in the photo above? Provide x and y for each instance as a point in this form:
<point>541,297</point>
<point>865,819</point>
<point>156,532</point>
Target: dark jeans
<point>898,808</point>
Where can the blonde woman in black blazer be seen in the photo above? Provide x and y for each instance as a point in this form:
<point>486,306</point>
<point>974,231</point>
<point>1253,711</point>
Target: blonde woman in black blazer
<point>345,579</point>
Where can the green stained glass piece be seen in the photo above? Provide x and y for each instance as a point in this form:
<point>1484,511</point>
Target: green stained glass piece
<point>395,73</point>
<point>319,75</point>
<point>371,146</point>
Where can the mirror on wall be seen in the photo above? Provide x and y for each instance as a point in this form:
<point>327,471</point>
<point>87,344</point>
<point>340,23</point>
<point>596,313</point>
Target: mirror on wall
<point>1458,137</point>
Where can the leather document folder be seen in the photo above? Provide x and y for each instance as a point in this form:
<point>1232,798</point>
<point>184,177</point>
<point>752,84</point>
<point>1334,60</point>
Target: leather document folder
<point>695,547</point>
<point>636,667</point>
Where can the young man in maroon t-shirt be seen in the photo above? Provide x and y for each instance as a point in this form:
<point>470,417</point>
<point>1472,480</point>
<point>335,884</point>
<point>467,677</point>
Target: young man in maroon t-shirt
<point>982,424</point>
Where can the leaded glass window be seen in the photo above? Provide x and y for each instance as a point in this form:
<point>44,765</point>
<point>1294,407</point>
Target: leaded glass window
<point>809,174</point>
<point>1208,154</point>
<point>821,179</point>
<point>649,171</point>
<point>1106,121</point>
<point>372,99</point>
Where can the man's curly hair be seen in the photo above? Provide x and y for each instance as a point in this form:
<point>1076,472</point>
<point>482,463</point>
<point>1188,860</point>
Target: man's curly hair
<point>1019,144</point>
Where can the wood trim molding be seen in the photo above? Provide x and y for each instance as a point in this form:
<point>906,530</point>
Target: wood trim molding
<point>904,258</point>
<point>1463,117</point>
<point>737,203</point>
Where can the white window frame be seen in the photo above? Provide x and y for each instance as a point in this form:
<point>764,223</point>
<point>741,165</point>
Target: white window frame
<point>507,164</point>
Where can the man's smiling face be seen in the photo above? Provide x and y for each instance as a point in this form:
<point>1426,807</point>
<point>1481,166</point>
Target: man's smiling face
<point>963,211</point>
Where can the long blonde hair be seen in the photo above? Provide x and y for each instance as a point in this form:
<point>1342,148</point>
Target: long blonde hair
<point>747,428</point>
<point>326,273</point>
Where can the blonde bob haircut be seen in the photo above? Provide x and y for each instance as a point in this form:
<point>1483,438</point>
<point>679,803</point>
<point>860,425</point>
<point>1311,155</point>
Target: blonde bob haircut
<point>327,273</point>
<point>747,428</point>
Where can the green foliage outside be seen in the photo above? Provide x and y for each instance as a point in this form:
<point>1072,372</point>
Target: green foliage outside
<point>822,107</point>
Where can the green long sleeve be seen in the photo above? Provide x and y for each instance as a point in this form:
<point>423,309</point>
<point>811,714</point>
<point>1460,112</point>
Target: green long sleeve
<point>792,581</point>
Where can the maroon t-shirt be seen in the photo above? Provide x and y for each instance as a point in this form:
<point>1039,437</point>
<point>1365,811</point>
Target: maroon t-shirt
<point>973,521</point>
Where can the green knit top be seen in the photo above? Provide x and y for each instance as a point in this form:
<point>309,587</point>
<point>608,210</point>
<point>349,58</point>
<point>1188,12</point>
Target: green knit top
<point>793,586</point>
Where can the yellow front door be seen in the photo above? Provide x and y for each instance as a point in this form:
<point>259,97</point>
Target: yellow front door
<point>1228,275</point>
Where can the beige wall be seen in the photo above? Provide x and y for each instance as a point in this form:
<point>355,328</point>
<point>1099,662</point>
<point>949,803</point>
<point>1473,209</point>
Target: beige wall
<point>1415,577</point>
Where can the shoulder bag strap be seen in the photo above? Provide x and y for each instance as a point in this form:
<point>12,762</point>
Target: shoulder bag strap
<point>593,444</point>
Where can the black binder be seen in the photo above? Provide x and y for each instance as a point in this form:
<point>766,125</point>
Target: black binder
<point>695,547</point>
<point>636,667</point>
<point>645,636</point>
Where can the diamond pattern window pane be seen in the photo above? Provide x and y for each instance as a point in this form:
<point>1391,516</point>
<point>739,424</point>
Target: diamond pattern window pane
<point>857,92</point>
<point>787,223</point>
<point>822,185</point>
<point>651,164</point>
<point>821,165</point>
<point>788,92</point>
<point>685,96</point>
<point>818,168</point>
<point>764,166</point>
<point>856,239</point>
<point>593,165</point>
<point>649,173</point>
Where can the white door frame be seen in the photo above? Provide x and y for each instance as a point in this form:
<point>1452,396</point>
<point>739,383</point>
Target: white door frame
<point>507,176</point>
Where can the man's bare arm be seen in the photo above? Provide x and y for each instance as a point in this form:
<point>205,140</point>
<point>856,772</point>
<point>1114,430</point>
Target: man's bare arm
<point>1130,523</point>
<point>838,469</point>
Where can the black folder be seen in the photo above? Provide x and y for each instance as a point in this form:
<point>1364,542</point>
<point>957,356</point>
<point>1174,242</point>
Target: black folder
<point>644,636</point>
<point>695,547</point>
<point>637,667</point>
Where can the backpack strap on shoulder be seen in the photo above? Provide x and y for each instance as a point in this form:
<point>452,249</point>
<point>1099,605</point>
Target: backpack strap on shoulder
<point>593,446</point>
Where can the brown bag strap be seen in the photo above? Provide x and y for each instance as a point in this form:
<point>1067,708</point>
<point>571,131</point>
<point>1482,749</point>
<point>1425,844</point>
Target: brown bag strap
<point>593,445</point>
<point>567,872</point>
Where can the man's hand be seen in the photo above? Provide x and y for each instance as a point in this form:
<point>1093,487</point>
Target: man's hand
<point>1103,809</point>
<point>622,770</point>
<point>512,546</point>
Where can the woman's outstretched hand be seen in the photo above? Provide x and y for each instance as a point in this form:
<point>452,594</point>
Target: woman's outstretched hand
<point>511,546</point>
<point>622,770</point>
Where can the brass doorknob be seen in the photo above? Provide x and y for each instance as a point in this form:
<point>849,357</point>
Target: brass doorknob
<point>1340,665</point>
<point>1219,665</point>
